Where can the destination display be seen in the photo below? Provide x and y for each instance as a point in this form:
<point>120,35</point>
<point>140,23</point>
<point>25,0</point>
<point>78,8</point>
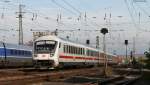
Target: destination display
<point>45,42</point>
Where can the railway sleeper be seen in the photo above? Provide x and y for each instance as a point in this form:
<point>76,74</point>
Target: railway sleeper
<point>110,80</point>
<point>125,82</point>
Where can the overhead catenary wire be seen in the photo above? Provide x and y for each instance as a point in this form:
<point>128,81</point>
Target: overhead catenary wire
<point>79,12</point>
<point>71,6</point>
<point>143,10</point>
<point>131,15</point>
<point>63,7</point>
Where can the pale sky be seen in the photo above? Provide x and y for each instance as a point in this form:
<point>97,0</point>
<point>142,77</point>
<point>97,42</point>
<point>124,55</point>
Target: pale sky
<point>125,19</point>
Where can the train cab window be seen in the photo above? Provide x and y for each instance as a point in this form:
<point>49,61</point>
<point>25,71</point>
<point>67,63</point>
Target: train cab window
<point>45,46</point>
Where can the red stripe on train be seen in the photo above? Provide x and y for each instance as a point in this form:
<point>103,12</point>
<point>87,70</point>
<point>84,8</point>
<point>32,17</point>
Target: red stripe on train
<point>77,57</point>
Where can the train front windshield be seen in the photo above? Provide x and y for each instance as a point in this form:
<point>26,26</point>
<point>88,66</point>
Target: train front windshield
<point>45,46</point>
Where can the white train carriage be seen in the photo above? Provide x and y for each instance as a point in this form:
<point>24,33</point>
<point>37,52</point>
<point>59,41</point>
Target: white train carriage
<point>53,52</point>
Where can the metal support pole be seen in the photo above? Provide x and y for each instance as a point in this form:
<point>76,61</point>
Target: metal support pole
<point>20,26</point>
<point>126,43</point>
<point>104,31</point>
<point>105,56</point>
<point>4,53</point>
<point>126,52</point>
<point>20,16</point>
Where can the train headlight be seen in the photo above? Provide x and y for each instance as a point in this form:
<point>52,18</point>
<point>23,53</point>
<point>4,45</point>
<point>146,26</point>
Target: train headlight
<point>52,54</point>
<point>35,55</point>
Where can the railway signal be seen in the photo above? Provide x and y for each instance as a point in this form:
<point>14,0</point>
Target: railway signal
<point>104,31</point>
<point>126,43</point>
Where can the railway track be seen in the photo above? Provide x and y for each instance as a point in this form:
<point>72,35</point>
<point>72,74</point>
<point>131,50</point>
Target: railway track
<point>13,77</point>
<point>91,76</point>
<point>120,80</point>
<point>123,77</point>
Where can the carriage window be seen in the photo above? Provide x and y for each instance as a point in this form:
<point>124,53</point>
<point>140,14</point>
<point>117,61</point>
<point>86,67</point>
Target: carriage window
<point>64,48</point>
<point>18,52</point>
<point>22,53</point>
<point>71,49</point>
<point>11,52</point>
<point>80,50</point>
<point>67,49</point>
<point>83,51</point>
<point>75,50</point>
<point>15,52</point>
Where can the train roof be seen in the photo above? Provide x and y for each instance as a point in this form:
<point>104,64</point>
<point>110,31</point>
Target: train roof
<point>16,46</point>
<point>52,37</point>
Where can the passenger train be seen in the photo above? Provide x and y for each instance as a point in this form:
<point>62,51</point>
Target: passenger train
<point>53,51</point>
<point>13,55</point>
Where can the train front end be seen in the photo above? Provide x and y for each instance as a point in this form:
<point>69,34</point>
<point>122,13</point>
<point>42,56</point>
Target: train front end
<point>46,51</point>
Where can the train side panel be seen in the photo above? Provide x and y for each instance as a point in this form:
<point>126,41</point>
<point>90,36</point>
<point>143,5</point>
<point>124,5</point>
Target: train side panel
<point>15,56</point>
